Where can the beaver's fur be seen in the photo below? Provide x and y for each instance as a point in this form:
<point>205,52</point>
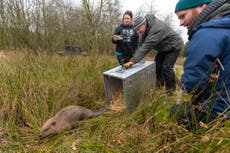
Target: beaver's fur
<point>64,120</point>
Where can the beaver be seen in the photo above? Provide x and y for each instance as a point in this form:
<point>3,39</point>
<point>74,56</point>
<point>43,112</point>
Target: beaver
<point>66,119</point>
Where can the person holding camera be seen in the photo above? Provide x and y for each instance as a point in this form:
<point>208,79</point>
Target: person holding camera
<point>125,38</point>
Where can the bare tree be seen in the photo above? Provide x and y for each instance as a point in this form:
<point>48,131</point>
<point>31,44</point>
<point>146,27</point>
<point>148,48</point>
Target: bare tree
<point>42,25</point>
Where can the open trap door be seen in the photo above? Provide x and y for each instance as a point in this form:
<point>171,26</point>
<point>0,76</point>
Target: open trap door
<point>129,85</point>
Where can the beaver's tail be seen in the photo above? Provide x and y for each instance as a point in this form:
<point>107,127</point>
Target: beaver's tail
<point>99,112</point>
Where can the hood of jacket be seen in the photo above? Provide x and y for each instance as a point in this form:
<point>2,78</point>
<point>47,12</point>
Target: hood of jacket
<point>215,10</point>
<point>218,23</point>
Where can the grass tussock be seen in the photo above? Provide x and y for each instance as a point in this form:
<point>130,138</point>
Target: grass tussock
<point>33,88</point>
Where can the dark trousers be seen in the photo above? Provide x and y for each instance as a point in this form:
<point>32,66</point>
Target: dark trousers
<point>165,69</point>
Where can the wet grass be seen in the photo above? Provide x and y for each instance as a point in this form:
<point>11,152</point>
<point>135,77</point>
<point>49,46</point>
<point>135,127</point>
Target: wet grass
<point>33,88</point>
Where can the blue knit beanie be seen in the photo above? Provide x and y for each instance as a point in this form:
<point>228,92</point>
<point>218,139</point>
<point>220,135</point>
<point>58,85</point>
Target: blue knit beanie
<point>187,4</point>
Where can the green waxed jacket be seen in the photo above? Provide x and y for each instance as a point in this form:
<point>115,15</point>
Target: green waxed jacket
<point>158,36</point>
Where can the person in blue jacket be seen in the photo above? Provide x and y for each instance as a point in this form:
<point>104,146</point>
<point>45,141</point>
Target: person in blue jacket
<point>126,39</point>
<point>207,66</point>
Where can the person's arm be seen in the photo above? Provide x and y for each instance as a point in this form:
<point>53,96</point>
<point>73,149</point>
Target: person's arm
<point>150,42</point>
<point>202,52</point>
<point>115,37</point>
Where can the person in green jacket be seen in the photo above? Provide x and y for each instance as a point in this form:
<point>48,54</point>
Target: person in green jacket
<point>157,35</point>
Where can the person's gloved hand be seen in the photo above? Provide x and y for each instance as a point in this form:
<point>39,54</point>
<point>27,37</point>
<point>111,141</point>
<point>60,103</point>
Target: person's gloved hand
<point>128,65</point>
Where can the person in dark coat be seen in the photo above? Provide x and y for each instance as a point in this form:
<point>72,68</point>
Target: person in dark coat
<point>125,38</point>
<point>207,66</point>
<point>157,35</point>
